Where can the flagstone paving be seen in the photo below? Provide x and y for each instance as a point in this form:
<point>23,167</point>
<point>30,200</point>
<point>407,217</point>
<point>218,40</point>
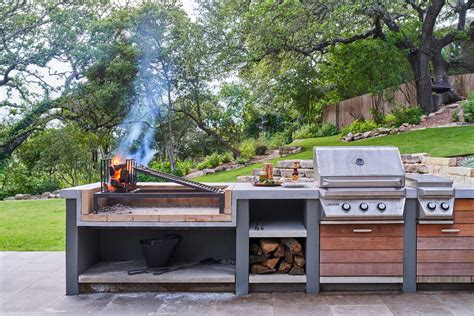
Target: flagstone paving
<point>33,283</point>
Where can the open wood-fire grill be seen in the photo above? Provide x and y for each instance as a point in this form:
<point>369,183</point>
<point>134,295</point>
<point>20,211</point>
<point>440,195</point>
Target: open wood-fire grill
<point>119,182</point>
<point>360,183</point>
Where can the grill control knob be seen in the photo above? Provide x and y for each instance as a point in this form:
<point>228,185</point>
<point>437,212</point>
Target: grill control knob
<point>445,206</point>
<point>381,206</point>
<point>431,206</point>
<point>346,207</point>
<point>364,207</point>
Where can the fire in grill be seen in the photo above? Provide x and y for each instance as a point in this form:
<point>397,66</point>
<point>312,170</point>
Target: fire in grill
<point>118,176</point>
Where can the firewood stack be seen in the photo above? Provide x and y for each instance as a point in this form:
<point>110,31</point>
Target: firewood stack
<point>284,255</point>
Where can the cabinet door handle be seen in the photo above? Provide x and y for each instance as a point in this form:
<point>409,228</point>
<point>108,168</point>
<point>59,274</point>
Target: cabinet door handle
<point>362,230</point>
<point>450,230</point>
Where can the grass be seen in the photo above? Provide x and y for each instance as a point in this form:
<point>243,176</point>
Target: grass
<point>36,225</point>
<point>437,142</point>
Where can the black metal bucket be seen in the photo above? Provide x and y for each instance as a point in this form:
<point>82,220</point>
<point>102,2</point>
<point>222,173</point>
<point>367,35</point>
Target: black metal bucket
<point>158,252</point>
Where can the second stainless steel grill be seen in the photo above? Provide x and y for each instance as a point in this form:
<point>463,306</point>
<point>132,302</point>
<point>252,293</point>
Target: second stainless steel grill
<point>360,183</point>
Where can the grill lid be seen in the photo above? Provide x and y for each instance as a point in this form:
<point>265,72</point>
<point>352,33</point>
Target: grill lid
<point>354,167</point>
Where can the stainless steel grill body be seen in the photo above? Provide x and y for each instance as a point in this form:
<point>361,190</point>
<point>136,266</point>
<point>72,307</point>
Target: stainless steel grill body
<point>435,197</point>
<point>360,183</point>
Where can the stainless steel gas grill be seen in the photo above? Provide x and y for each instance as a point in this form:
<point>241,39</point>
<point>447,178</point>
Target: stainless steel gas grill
<point>435,198</point>
<point>360,183</point>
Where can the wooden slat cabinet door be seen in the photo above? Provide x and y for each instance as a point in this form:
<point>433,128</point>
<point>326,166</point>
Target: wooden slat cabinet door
<point>445,253</point>
<point>362,250</point>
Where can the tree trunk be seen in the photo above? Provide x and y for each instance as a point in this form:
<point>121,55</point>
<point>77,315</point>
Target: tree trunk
<point>424,95</point>
<point>441,67</point>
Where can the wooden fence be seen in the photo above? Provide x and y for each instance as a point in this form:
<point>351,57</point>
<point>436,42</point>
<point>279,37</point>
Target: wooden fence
<point>345,112</point>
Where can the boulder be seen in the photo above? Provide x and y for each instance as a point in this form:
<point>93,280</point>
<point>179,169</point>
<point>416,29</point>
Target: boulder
<point>452,106</point>
<point>383,130</point>
<point>219,169</point>
<point>246,179</point>
<point>394,131</point>
<point>431,114</point>
<point>357,136</point>
<point>207,171</point>
<point>412,158</point>
<point>23,197</point>
<point>46,195</point>
<point>415,168</point>
<point>367,134</point>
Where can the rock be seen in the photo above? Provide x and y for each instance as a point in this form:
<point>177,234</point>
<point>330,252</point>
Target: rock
<point>452,106</point>
<point>195,174</point>
<point>286,150</point>
<point>367,134</point>
<point>423,117</point>
<point>23,197</point>
<point>219,169</point>
<point>431,114</point>
<point>405,124</point>
<point>394,131</point>
<point>288,164</point>
<point>415,168</point>
<point>383,130</point>
<point>358,136</point>
<point>207,171</point>
<point>412,158</point>
<point>53,196</point>
<point>46,195</point>
<point>440,111</point>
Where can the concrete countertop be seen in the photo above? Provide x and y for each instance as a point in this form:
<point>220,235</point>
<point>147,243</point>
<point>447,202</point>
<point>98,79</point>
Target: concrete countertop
<point>245,191</point>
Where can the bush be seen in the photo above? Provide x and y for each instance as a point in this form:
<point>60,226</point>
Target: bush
<point>455,116</point>
<point>468,108</point>
<point>306,131</point>
<point>468,162</point>
<point>389,120</point>
<point>359,126</point>
<point>327,130</point>
<point>182,169</point>
<point>241,161</point>
<point>278,139</point>
<point>214,160</point>
<point>247,148</point>
<point>407,114</point>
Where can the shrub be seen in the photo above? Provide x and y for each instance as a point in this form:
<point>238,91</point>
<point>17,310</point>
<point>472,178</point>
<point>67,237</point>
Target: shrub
<point>328,130</point>
<point>214,160</point>
<point>182,168</point>
<point>407,114</point>
<point>468,108</point>
<point>241,161</point>
<point>278,139</point>
<point>247,148</point>
<point>359,126</point>
<point>455,116</point>
<point>389,120</point>
<point>468,162</point>
<point>306,131</point>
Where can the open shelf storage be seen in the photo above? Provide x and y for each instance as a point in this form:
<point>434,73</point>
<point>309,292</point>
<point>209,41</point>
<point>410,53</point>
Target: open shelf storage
<point>117,272</point>
<point>273,229</point>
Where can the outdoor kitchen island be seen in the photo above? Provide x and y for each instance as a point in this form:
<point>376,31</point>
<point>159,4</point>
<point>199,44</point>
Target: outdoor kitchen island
<point>395,255</point>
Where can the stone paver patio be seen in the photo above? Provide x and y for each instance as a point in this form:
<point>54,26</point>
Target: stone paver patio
<point>33,283</point>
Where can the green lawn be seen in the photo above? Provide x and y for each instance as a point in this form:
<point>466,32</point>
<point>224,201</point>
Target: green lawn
<point>437,142</point>
<point>37,225</point>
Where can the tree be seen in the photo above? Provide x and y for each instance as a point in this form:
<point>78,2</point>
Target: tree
<point>42,42</point>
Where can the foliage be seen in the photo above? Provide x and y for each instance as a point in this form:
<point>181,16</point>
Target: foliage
<point>328,129</point>
<point>278,139</point>
<point>468,162</point>
<point>468,108</point>
<point>182,168</point>
<point>407,114</point>
<point>455,116</point>
<point>359,126</point>
<point>247,148</point>
<point>214,160</point>
<point>306,131</point>
<point>390,120</point>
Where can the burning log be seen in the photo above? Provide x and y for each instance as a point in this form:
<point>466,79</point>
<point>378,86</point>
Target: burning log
<point>277,256</point>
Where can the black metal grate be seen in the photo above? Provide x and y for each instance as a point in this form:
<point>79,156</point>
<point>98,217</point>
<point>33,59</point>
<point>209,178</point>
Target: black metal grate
<point>183,181</point>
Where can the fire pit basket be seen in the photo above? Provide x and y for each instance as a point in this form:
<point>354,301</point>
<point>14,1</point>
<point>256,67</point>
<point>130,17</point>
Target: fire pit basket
<point>158,252</point>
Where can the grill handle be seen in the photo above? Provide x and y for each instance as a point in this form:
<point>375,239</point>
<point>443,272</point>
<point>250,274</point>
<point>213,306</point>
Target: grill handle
<point>362,230</point>
<point>450,230</point>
